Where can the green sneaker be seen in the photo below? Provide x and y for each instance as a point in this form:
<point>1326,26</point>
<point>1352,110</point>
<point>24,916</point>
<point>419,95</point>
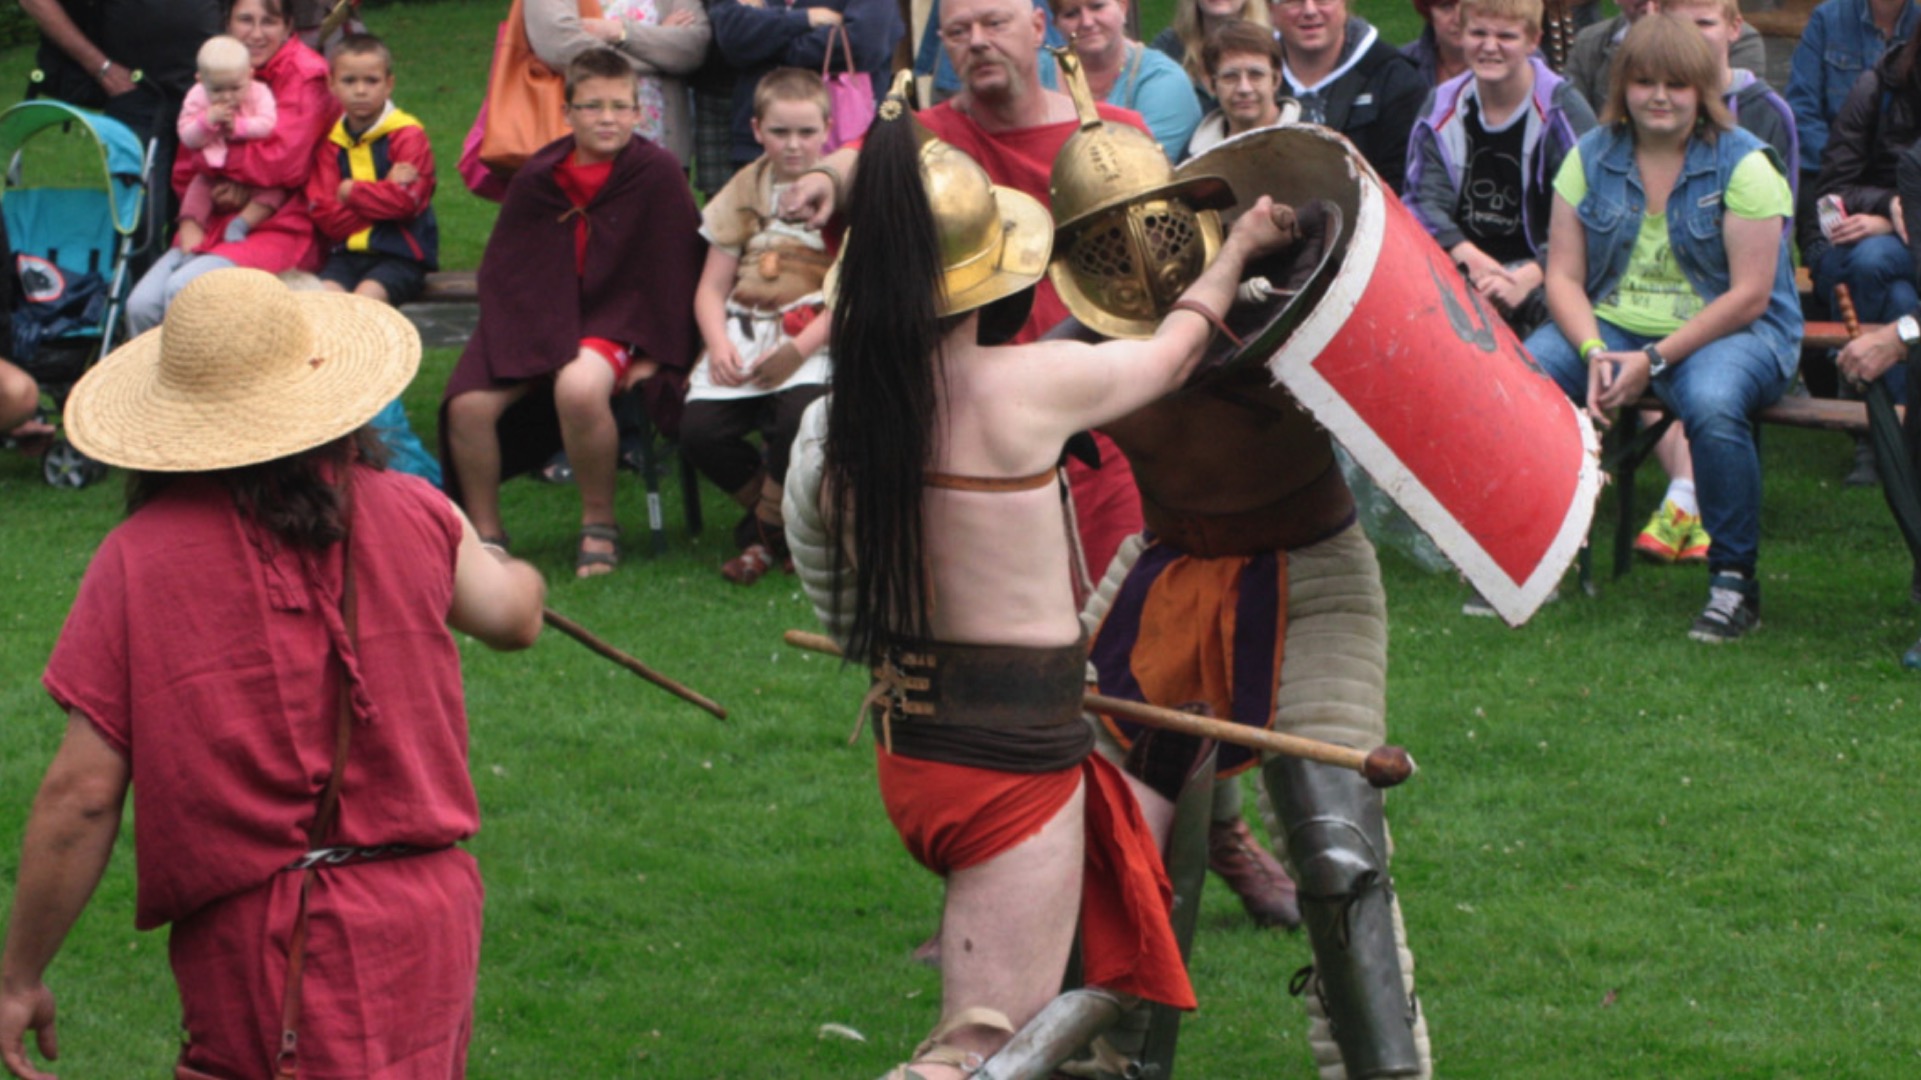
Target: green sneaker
<point>1667,534</point>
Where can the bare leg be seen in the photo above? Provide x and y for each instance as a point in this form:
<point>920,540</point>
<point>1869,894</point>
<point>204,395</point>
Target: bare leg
<point>333,286</point>
<point>582,391</point>
<point>1007,929</point>
<point>475,446</point>
<point>19,397</point>
<point>372,290</point>
<point>1672,451</point>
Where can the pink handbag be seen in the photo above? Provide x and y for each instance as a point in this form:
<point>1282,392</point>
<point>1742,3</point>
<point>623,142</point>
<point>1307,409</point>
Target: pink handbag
<point>850,94</point>
<point>480,179</point>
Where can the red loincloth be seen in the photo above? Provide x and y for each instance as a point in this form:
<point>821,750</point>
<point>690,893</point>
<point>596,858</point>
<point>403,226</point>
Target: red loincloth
<point>952,817</point>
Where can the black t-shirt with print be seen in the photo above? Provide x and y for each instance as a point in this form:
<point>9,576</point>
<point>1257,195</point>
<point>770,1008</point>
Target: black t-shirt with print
<point>1489,207</point>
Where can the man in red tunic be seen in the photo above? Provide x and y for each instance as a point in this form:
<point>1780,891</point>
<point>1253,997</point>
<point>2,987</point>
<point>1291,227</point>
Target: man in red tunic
<point>225,635</point>
<point>1005,120</point>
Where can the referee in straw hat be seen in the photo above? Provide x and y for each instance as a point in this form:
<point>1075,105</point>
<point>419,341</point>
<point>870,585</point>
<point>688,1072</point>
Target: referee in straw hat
<point>261,651</point>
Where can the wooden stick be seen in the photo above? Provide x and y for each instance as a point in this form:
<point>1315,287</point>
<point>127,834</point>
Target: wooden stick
<point>1383,767</point>
<point>335,19</point>
<point>1844,299</point>
<point>586,637</point>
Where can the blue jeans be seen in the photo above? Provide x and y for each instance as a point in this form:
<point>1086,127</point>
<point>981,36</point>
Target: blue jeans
<point>151,296</point>
<point>1713,392</point>
<point>1879,273</point>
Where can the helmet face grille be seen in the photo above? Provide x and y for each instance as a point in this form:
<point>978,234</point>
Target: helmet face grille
<point>1172,237</point>
<point>1105,266</point>
<point>1134,261</point>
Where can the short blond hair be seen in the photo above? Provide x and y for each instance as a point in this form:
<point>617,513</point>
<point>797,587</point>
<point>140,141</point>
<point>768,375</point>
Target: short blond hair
<point>1663,46</point>
<point>1528,11</point>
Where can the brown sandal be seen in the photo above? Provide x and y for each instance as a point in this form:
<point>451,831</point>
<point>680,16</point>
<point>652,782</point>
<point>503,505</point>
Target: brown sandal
<point>935,1051</point>
<point>588,563</point>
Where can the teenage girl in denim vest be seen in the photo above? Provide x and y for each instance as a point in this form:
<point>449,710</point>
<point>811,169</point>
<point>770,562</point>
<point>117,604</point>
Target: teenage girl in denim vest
<point>1668,272</point>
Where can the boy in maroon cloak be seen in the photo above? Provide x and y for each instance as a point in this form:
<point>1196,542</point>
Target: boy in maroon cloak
<point>586,291</point>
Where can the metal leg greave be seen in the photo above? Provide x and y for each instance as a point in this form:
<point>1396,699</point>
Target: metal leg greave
<point>1335,836</point>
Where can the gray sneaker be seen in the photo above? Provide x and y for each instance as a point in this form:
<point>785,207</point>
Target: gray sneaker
<point>1733,609</point>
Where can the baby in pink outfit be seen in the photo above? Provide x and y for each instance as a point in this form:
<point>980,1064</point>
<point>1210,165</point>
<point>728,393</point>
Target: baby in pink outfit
<point>227,104</point>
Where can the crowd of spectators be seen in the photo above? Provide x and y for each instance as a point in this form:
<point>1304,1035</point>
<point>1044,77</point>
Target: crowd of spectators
<point>1495,152</point>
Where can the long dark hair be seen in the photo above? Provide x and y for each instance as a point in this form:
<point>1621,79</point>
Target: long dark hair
<point>887,340</point>
<point>288,497</point>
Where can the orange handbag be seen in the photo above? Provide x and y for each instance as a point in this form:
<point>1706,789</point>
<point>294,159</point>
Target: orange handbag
<point>526,99</point>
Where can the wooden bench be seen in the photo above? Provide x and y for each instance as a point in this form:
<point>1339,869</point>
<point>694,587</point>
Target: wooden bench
<point>1628,444</point>
<point>451,287</point>
<point>463,287</point>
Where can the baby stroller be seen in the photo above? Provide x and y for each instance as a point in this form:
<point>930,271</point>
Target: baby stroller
<point>75,185</point>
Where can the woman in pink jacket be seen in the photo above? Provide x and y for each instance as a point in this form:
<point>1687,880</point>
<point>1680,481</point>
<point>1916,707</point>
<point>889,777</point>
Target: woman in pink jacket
<point>298,78</point>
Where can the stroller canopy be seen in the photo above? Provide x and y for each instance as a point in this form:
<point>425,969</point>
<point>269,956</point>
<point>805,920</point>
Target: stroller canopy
<point>121,156</point>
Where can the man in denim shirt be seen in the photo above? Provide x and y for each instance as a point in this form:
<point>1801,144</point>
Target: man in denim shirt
<point>1843,39</point>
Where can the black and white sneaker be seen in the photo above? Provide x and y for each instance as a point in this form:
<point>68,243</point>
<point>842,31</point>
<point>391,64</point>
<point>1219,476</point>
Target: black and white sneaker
<point>1733,609</point>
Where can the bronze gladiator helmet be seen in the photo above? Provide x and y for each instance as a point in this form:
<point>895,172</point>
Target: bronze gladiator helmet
<point>1129,237</point>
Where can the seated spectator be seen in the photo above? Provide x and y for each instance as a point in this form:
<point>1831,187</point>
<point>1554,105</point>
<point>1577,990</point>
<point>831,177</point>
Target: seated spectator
<point>372,193</point>
<point>758,307</point>
<point>1588,62</point>
<point>19,398</point>
<point>1865,250</point>
<point>1842,41</point>
<point>1440,52</point>
<point>1348,78</point>
<point>1668,270</point>
<point>1187,35</point>
<point>1243,65</point>
<point>1756,108</point>
<point>1675,532</point>
<point>284,241</point>
<point>756,38</point>
<point>1882,350</point>
<point>227,104</point>
<point>586,291</point>
<point>664,40</point>
<point>1126,73</point>
<point>1485,152</point>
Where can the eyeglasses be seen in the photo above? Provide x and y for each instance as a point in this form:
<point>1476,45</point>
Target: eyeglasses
<point>1237,76</point>
<point>610,108</point>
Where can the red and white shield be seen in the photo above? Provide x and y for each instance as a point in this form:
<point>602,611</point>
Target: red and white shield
<point>1420,380</point>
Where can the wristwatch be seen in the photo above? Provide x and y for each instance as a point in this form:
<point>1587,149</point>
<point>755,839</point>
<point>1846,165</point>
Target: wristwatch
<point>1908,329</point>
<point>1656,362</point>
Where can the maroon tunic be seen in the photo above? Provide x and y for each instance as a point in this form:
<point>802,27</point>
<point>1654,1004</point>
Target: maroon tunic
<point>204,652</point>
<point>643,260</point>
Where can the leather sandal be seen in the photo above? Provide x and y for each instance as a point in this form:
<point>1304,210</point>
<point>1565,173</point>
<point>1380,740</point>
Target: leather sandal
<point>749,566</point>
<point>587,563</point>
<point>934,1050</point>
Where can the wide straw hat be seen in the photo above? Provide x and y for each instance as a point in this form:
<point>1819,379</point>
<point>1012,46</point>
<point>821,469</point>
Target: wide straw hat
<point>243,370</point>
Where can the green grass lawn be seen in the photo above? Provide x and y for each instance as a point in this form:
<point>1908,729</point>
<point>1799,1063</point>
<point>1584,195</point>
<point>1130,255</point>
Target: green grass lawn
<point>1626,855</point>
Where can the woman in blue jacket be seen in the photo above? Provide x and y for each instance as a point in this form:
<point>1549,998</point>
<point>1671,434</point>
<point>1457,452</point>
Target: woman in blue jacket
<point>1668,271</point>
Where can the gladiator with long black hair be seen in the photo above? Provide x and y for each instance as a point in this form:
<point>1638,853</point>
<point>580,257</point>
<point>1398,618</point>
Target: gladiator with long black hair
<point>881,416</point>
